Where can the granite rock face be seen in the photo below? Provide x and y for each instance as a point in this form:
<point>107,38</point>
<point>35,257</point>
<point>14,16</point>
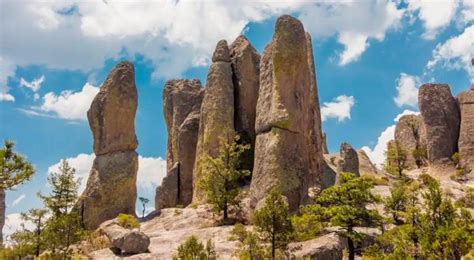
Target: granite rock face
<point>441,116</point>
<point>410,134</point>
<point>111,186</point>
<point>125,240</point>
<point>117,96</point>
<point>466,134</point>
<point>245,74</point>
<point>181,105</point>
<point>349,160</point>
<point>2,213</point>
<point>365,164</point>
<point>287,152</point>
<point>217,113</point>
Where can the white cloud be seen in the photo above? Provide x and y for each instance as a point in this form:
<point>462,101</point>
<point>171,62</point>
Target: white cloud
<point>13,222</point>
<point>339,108</point>
<point>355,22</point>
<point>435,15</point>
<point>34,85</point>
<point>456,53</point>
<point>407,90</point>
<point>150,170</point>
<point>467,11</point>
<point>377,154</point>
<point>18,200</point>
<point>6,97</point>
<point>67,105</point>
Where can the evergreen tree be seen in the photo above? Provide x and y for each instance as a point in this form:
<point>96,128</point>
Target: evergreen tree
<point>222,175</point>
<point>345,206</point>
<point>395,159</point>
<point>193,249</point>
<point>396,203</point>
<point>38,218</point>
<point>144,201</point>
<point>273,223</point>
<point>14,170</point>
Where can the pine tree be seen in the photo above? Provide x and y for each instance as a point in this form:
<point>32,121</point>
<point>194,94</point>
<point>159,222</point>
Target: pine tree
<point>14,170</point>
<point>395,159</point>
<point>396,203</point>
<point>38,218</point>
<point>222,175</point>
<point>273,222</point>
<point>345,206</point>
<point>144,201</point>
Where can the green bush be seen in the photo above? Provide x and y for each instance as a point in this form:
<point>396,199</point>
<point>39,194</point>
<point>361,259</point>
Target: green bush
<point>128,221</point>
<point>239,232</point>
<point>456,158</point>
<point>193,249</point>
<point>468,199</point>
<point>460,175</point>
<point>307,226</point>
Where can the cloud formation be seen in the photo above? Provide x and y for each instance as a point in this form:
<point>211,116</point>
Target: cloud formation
<point>407,90</point>
<point>34,85</point>
<point>339,108</point>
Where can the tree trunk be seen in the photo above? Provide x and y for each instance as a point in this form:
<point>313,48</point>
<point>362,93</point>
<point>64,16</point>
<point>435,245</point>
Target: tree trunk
<point>225,213</point>
<point>2,214</point>
<point>273,246</point>
<point>350,245</point>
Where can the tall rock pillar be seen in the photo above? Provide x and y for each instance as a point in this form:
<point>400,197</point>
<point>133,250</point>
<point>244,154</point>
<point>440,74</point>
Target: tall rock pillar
<point>181,105</point>
<point>288,149</point>
<point>217,113</point>
<point>111,187</point>
<point>466,134</point>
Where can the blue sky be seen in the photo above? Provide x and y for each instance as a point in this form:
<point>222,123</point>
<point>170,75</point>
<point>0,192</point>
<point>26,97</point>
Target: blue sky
<point>371,57</point>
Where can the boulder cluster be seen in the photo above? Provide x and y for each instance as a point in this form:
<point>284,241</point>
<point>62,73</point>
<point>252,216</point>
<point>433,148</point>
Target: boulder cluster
<point>270,101</point>
<point>443,128</point>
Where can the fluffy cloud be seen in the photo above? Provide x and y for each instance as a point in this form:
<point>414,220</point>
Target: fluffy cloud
<point>18,200</point>
<point>13,222</point>
<point>7,69</point>
<point>67,105</point>
<point>339,108</point>
<point>172,35</point>
<point>6,97</point>
<point>367,20</point>
<point>34,85</point>
<point>150,170</point>
<point>377,154</point>
<point>435,15</point>
<point>407,90</point>
<point>456,53</point>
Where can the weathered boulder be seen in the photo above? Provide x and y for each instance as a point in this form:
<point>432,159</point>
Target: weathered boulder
<point>181,105</point>
<point>112,112</point>
<point>466,134</point>
<point>217,113</point>
<point>349,161</point>
<point>111,187</point>
<point>245,68</point>
<point>325,144</point>
<point>410,134</point>
<point>125,240</point>
<point>441,116</point>
<point>287,149</point>
<point>330,246</point>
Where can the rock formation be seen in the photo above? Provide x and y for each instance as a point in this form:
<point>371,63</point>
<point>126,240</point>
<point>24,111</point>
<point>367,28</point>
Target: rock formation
<point>349,161</point>
<point>125,240</point>
<point>181,105</point>
<point>217,113</point>
<point>466,134</point>
<point>2,214</point>
<point>111,187</point>
<point>440,114</point>
<point>410,134</point>
<point>325,144</point>
<point>245,68</point>
<point>286,151</point>
<point>365,164</point>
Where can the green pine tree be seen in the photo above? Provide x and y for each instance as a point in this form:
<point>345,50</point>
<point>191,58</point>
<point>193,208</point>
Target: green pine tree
<point>222,175</point>
<point>273,223</point>
<point>144,201</point>
<point>38,218</point>
<point>395,159</point>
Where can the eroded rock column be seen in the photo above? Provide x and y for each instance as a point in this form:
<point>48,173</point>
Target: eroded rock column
<point>466,134</point>
<point>410,134</point>
<point>111,187</point>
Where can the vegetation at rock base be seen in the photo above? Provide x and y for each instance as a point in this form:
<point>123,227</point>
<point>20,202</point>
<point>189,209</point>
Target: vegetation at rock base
<point>272,222</point>
<point>127,221</point>
<point>57,226</point>
<point>430,226</point>
<point>395,159</point>
<point>222,175</point>
<point>345,206</point>
<point>14,170</point>
<point>421,156</point>
<point>307,225</point>
<point>193,249</point>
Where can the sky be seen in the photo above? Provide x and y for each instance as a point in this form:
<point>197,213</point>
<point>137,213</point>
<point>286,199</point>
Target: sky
<point>371,58</point>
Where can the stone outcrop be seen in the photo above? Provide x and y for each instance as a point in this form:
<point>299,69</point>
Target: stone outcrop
<point>125,240</point>
<point>217,113</point>
<point>2,214</point>
<point>410,134</point>
<point>441,116</point>
<point>329,246</point>
<point>325,144</point>
<point>111,187</point>
<point>287,152</point>
<point>349,161</point>
<point>466,134</point>
<point>245,74</point>
<point>365,164</point>
<point>181,105</point>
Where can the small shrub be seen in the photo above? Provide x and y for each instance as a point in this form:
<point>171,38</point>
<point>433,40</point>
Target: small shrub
<point>376,180</point>
<point>192,248</point>
<point>128,221</point>
<point>178,211</point>
<point>456,158</point>
<point>333,160</point>
<point>307,226</point>
<point>239,232</point>
<point>468,199</point>
<point>193,205</point>
<point>460,175</point>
